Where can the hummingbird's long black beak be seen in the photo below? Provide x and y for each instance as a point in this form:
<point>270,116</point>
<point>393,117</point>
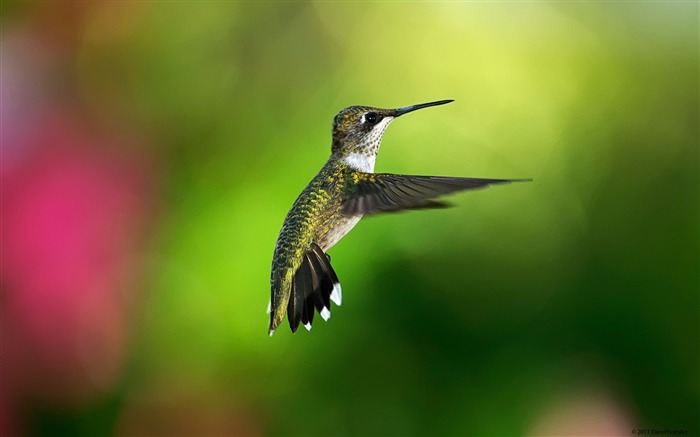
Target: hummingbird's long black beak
<point>407,109</point>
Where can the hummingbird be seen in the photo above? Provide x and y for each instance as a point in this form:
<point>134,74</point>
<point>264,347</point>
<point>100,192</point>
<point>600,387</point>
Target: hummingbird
<point>303,281</point>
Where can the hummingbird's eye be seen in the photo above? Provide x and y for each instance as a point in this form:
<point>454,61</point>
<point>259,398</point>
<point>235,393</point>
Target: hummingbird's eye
<point>371,117</point>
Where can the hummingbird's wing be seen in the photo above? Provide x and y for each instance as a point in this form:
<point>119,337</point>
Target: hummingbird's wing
<point>315,285</point>
<point>382,192</point>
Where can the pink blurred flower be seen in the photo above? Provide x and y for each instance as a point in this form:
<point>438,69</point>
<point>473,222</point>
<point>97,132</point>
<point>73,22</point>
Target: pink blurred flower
<point>75,205</point>
<point>72,218</point>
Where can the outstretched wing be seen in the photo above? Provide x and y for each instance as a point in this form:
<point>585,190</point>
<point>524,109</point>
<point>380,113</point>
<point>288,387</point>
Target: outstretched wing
<point>315,285</point>
<point>384,192</point>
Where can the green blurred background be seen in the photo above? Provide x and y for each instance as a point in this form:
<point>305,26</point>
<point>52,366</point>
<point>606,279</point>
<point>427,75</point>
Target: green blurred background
<point>152,149</point>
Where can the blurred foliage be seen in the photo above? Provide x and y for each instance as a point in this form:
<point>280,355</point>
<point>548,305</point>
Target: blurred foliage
<point>477,320</point>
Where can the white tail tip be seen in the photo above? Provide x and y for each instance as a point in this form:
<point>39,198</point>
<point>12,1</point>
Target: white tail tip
<point>325,313</point>
<point>337,294</point>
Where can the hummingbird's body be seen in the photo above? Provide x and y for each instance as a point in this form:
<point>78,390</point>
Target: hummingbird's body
<point>316,214</point>
<point>345,189</point>
<point>315,217</point>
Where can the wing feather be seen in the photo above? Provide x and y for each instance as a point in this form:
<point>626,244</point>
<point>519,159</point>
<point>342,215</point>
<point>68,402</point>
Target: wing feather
<point>383,192</point>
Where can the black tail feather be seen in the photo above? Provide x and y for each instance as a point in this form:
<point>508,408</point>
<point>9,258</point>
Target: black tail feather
<point>295,309</point>
<point>313,284</point>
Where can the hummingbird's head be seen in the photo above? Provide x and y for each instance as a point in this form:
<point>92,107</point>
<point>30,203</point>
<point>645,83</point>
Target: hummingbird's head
<point>358,130</point>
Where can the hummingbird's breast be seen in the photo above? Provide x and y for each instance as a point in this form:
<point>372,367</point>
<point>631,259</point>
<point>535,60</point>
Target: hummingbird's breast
<point>335,228</point>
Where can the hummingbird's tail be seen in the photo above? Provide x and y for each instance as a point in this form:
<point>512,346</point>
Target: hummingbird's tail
<point>315,285</point>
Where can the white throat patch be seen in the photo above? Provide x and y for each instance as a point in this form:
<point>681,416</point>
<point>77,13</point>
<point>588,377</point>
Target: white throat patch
<point>361,162</point>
